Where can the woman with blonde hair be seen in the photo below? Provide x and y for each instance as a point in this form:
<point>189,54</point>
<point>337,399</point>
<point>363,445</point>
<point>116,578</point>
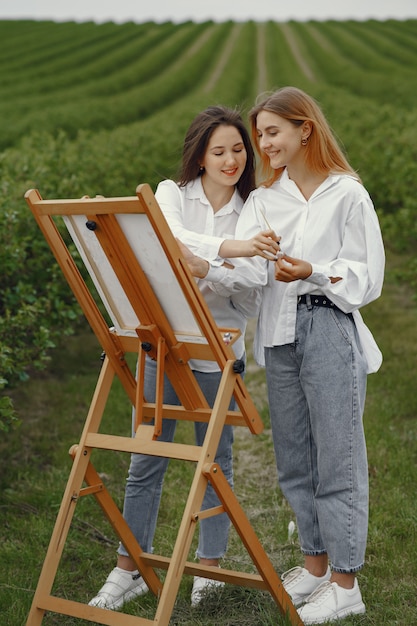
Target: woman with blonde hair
<point>328,262</point>
<point>316,348</point>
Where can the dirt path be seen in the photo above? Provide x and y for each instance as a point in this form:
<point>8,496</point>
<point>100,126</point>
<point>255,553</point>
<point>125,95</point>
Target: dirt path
<point>293,44</point>
<point>261,61</point>
<point>224,57</point>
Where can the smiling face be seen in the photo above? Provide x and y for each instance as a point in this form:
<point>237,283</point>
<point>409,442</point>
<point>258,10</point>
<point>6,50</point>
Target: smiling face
<point>280,139</point>
<point>225,157</point>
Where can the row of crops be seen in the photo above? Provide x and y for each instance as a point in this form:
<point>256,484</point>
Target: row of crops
<point>97,109</point>
<point>73,76</point>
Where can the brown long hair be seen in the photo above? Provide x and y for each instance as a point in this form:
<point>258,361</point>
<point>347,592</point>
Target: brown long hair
<point>198,137</point>
<point>323,154</point>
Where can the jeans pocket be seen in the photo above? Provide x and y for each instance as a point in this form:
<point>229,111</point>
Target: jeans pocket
<point>345,325</point>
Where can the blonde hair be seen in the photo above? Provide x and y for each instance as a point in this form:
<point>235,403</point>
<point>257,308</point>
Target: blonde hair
<point>323,154</point>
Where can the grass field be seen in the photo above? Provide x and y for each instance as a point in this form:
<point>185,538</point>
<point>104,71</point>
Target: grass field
<point>36,464</point>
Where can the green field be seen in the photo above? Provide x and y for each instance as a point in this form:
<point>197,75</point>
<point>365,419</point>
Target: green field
<point>92,109</point>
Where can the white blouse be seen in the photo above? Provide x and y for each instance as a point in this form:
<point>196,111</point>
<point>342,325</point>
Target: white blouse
<point>337,231</point>
<point>192,220</point>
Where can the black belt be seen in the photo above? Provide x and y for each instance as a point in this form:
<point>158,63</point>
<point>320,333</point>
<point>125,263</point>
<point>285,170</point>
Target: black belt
<point>314,300</point>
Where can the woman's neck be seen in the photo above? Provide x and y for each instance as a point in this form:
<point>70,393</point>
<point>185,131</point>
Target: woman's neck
<point>306,180</point>
<point>217,195</point>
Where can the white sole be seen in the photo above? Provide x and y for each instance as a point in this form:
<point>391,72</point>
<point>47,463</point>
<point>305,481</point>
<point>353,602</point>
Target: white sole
<point>358,609</point>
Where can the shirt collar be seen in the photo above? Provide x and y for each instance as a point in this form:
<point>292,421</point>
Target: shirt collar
<point>195,191</point>
<point>289,185</point>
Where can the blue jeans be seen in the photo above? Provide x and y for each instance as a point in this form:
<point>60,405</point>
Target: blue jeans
<point>316,389</point>
<point>146,475</point>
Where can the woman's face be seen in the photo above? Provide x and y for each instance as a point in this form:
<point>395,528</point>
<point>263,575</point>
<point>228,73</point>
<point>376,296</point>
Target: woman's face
<point>225,157</point>
<point>280,139</point>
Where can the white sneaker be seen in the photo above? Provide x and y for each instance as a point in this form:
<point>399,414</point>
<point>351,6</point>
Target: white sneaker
<point>120,587</point>
<point>331,602</point>
<point>201,586</point>
<point>299,583</point>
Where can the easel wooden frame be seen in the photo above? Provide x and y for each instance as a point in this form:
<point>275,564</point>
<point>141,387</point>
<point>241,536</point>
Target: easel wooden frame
<point>155,336</point>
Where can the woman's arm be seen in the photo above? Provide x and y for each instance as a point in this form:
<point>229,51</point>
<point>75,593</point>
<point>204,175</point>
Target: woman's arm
<point>264,244</point>
<point>170,200</point>
<point>246,300</point>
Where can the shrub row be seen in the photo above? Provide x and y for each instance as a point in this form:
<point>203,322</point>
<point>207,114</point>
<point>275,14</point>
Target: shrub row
<point>88,64</point>
<point>169,71</point>
<point>65,150</point>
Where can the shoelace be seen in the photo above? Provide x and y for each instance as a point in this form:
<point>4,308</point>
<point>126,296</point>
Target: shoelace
<point>323,591</point>
<point>292,574</point>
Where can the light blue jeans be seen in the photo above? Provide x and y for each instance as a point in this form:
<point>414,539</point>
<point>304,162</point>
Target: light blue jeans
<point>146,475</point>
<point>316,389</point>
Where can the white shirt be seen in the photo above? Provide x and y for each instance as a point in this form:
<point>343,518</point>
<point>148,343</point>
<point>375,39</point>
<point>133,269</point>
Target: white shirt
<point>337,231</point>
<point>192,220</point>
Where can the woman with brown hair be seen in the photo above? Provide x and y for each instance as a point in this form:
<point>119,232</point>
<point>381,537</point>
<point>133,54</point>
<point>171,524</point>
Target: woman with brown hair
<point>202,209</point>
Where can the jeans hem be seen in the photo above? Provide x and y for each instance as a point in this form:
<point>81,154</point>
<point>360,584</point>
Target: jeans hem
<point>350,570</point>
<point>204,556</point>
<point>313,552</point>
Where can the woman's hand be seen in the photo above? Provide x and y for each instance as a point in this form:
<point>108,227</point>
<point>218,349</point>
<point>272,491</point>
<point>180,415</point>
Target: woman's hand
<point>264,244</point>
<point>288,269</point>
<point>198,266</point>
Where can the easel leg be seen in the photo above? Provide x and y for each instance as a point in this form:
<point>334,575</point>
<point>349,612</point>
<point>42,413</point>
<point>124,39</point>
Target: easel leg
<point>251,542</point>
<point>70,497</point>
<point>195,498</point>
<point>122,529</point>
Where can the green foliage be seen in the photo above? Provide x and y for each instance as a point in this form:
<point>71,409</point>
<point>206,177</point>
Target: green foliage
<point>35,465</point>
<point>283,68</point>
<point>359,61</point>
<point>7,412</point>
<point>238,70</point>
<point>164,70</point>
<point>97,109</point>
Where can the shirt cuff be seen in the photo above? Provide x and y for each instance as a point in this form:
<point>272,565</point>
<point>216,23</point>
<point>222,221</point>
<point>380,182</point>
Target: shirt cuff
<point>319,275</point>
<point>216,262</point>
<point>216,273</point>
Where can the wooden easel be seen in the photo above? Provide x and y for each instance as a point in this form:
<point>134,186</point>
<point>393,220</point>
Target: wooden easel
<point>122,242</point>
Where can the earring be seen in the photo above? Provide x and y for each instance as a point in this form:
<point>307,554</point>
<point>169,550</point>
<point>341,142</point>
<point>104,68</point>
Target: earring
<point>201,169</point>
<point>304,141</point>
